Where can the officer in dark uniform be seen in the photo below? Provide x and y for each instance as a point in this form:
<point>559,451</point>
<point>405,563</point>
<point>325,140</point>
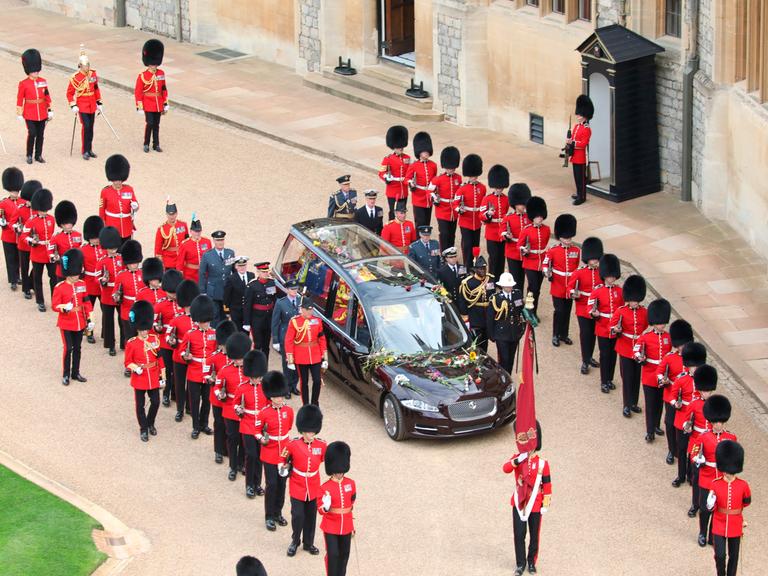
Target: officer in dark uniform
<point>260,297</point>
<point>425,251</point>
<point>370,215</point>
<point>286,308</point>
<point>234,290</point>
<point>505,320</point>
<point>451,273</point>
<point>215,266</point>
<point>343,202</point>
<point>473,301</point>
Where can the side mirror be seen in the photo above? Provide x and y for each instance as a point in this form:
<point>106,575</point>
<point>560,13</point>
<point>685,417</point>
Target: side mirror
<point>361,349</point>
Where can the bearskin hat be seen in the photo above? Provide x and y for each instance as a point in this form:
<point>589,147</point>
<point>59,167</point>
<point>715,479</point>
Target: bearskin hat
<point>584,107</point>
<point>131,252</point>
<point>13,179</point>
<point>519,193</point>
<point>450,158</point>
<point>591,249</point>
<point>202,309</point>
<point>659,311</point>
<point>729,456</point>
<point>337,457</point>
<point>238,345</point>
<point>309,419</point>
<point>152,52</point>
<point>680,332</point>
<point>610,266</point>
<point>274,384</point>
<point>186,292</point>
<point>401,206</point>
<point>536,207</point>
<point>65,213</point>
<point>705,378</point>
<point>72,262</point>
<point>117,167</point>
<point>498,177</point>
<point>565,226</point>
<point>142,315</point>
<point>538,435</point>
<point>31,61</point>
<point>224,330</point>
<point>422,142</point>
<point>472,166</point>
<point>151,269</point>
<point>694,354</point>
<point>717,408</point>
<point>254,364</point>
<point>171,280</point>
<point>634,288</point>
<point>42,200</point>
<point>29,189</point>
<point>109,238</point>
<point>92,227</point>
<point>397,137</point>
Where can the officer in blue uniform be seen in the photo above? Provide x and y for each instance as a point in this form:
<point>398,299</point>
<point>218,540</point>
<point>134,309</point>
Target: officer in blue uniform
<point>343,202</point>
<point>286,308</point>
<point>425,251</point>
<point>215,266</point>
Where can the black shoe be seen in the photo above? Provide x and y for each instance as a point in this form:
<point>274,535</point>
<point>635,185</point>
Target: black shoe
<point>41,307</point>
<point>232,476</point>
<point>259,491</point>
<point>86,156</point>
<point>157,148</point>
<point>574,196</point>
<point>692,511</point>
<point>40,159</point>
<point>127,373</point>
<point>14,286</point>
<point>27,295</point>
<point>650,438</point>
<point>65,380</point>
<point>626,412</point>
<point>636,409</point>
<point>531,568</point>
<point>282,521</point>
<point>314,550</point>
<point>578,202</point>
<point>91,154</point>
<point>567,341</point>
<point>295,391</point>
<point>676,482</point>
<point>91,339</point>
<point>594,363</point>
<point>670,458</point>
<point>555,341</point>
<point>187,411</point>
<point>604,388</point>
<point>153,431</point>
<point>29,159</point>
<point>292,549</point>
<point>703,540</point>
<point>519,570</point>
<point>218,458</point>
<point>195,434</point>
<point>79,377</point>
<point>659,431</point>
<point>611,385</point>
<point>112,352</point>
<point>271,526</point>
<point>166,401</point>
<point>584,368</point>
<point>144,436</point>
<point>207,430</point>
<point>146,147</point>
<point>250,492</point>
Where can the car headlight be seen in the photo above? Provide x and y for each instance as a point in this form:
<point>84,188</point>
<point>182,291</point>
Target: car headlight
<point>508,392</point>
<point>419,405</point>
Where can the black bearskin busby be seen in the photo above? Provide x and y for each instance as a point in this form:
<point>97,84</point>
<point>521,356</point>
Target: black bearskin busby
<point>659,311</point>
<point>142,315</point>
<point>65,213</point>
<point>634,288</point>
<point>109,238</point>
<point>610,266</point>
<point>152,53</point>
<point>151,269</point>
<point>224,330</point>
<point>309,419</point>
<point>536,207</point>
<point>397,137</point>
<point>450,158</point>
<point>72,262</point>
<point>729,456</point>
<point>254,364</point>
<point>591,249</point>
<point>565,226</point>
<point>717,408</point>
<point>92,227</point>
<point>680,332</point>
<point>31,61</point>
<point>472,166</point>
<point>171,280</point>
<point>117,168</point>
<point>519,193</point>
<point>694,354</point>
<point>42,200</point>
<point>202,309</point>
<point>337,457</point>
<point>705,378</point>
<point>29,189</point>
<point>422,142</point>
<point>13,179</point>
<point>186,292</point>
<point>584,107</point>
<point>131,252</point>
<point>274,384</point>
<point>238,345</point>
<point>498,177</point>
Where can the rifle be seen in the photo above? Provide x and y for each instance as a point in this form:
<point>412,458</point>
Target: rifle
<point>616,328</point>
<point>663,379</point>
<point>117,295</point>
<point>567,150</point>
<point>575,294</point>
<point>595,312</point>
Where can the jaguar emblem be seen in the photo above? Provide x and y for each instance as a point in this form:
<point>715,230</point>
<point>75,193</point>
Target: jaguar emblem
<point>472,405</point>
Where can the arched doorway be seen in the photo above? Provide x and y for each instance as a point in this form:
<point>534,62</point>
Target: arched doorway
<point>601,144</point>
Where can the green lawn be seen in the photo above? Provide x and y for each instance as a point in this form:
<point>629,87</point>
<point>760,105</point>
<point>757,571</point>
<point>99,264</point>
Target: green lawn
<point>41,534</point>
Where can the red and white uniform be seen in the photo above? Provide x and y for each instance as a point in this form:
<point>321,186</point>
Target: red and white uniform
<point>76,294</point>
<point>585,279</point>
<point>218,361</point>
<point>33,99</point>
<point>706,444</point>
<point>731,499</point>
<point>392,171</point>
<point>165,311</point>
<point>229,378</point>
<point>277,422</point>
<point>168,238</point>
<point>110,265</point>
<point>190,253</point>
<point>469,198</point>
<point>562,261</point>
<point>201,345</point>
<point>64,241</point>
<point>536,239</point>
<point>672,366</point>
<point>91,269</point>
<point>150,92</point>
<point>83,92</point>
<point>682,388</point>
<point>9,209</point>
<point>152,295</point>
<point>513,225</point>
<point>180,325</point>
<point>400,234</point>
<point>305,340</point>
<point>43,227</point>
<point>250,398</point>
<point>145,353</point>
<point>446,186</point>
<point>492,210</point>
<point>694,412</point>
<point>129,282</point>
<point>609,299</point>
<point>654,346</point>
<point>581,134</point>
<point>419,176</point>
<point>634,321</point>
<point>306,458</point>
<point>23,215</point>
<point>338,519</point>
<point>532,480</point>
<point>115,208</point>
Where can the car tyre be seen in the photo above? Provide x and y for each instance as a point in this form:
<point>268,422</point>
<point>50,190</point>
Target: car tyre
<point>393,418</point>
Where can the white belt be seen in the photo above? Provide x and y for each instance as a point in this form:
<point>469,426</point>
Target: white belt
<point>129,297</point>
<point>110,283</point>
<point>113,215</point>
<point>193,359</point>
<point>604,315</point>
<point>468,209</point>
<point>393,179</point>
<point>232,396</point>
<point>633,336</point>
<point>699,430</point>
<point>512,239</point>
<point>92,273</point>
<point>279,438</point>
<point>711,464</point>
<point>306,474</point>
<point>536,251</point>
<point>427,188</point>
<point>252,412</point>
<point>560,273</point>
<point>684,403</point>
<point>651,361</point>
<point>496,220</point>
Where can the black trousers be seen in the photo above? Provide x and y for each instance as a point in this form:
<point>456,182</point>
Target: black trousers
<point>26,278</point>
<point>733,545</point>
<point>469,240</point>
<point>495,258</point>
<point>507,349</point>
<point>108,326</point>
<point>520,528</point>
<point>127,331</point>
<point>422,216</point>
<point>70,362</point>
<point>305,371</point>
<point>219,430</point>
<point>218,313</point>
<point>146,419</point>
<point>516,269</point>
<point>653,402</point>
<point>292,376</point>
<point>152,128</point>
<point>480,334</point>
<point>586,337</point>
<point>695,490</point>
<point>11,251</point>
<point>391,204</point>
<point>535,278</point>
<point>86,133</point>
<point>253,463</point>
<point>274,493</point>
<point>607,358</point>
<point>561,316</point>
<point>669,425</point>
<point>303,520</point>
<point>337,553</point>
<point>580,179</point>
<point>200,403</point>
<point>704,514</point>
<point>35,137</point>
<point>630,381</point>
<point>261,331</point>
<point>180,383</point>
<point>235,448</point>
<point>37,279</point>
<point>683,465</point>
<point>447,233</point>
<point>167,355</point>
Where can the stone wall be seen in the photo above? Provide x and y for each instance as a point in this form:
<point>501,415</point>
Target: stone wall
<point>607,12</point>
<point>309,33</point>
<point>449,41</point>
<point>97,11</point>
<point>669,102</point>
<point>159,16</point>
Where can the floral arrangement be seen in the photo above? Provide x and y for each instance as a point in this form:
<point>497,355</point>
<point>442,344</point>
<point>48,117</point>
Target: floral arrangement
<point>441,294</point>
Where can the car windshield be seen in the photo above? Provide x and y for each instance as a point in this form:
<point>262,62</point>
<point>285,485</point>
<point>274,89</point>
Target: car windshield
<point>348,242</point>
<point>416,324</point>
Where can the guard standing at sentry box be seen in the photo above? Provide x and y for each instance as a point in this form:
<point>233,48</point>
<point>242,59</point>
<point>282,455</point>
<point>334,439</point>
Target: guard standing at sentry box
<point>151,93</point>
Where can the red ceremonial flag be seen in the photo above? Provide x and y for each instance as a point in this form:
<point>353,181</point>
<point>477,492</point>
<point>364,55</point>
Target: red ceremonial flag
<point>525,423</point>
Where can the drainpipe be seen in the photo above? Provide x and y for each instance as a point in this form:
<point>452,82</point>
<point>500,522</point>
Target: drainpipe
<point>178,21</point>
<point>623,13</point>
<point>691,67</point>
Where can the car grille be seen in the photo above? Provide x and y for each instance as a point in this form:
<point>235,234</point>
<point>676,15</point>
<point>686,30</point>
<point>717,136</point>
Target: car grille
<point>472,409</point>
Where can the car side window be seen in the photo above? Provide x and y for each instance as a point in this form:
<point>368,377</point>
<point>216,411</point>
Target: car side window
<point>316,278</point>
<point>341,302</point>
<point>295,254</point>
<point>360,331</point>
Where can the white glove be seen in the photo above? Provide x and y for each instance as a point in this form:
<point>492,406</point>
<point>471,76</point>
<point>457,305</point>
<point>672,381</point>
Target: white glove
<point>139,111</point>
<point>247,327</point>
<point>324,365</point>
<point>276,347</point>
<point>50,114</point>
<point>699,458</point>
<point>138,370</point>
<point>544,509</point>
<point>166,108</point>
<point>711,500</point>
<point>90,326</point>
<point>3,222</point>
<point>20,118</point>
<point>521,457</point>
<point>99,107</point>
<point>326,501</point>
<point>282,471</point>
<point>162,382</point>
<point>68,306</point>
<point>291,366</point>
<point>134,206</point>
<point>75,109</point>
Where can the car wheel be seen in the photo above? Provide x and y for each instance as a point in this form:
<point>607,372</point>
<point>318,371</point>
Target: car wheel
<point>393,418</point>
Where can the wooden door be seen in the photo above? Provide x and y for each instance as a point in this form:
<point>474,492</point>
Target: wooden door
<point>398,27</point>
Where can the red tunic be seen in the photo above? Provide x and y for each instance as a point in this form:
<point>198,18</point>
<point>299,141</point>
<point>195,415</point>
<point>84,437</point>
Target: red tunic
<point>419,175</point>
<point>9,209</point>
<point>469,198</point>
<point>179,327</point>
<point>41,226</point>
<point>525,479</point>
<point>62,242</point>
<point>654,346</point>
<point>514,223</point>
<point>446,186</point>
<point>252,401</point>
<point>165,311</point>
<point>152,295</point>
<point>634,321</point>
<point>129,282</point>
<point>33,99</point>
<point>581,283</point>
<point>167,240</point>
<point>218,361</point>
<point>732,498</point>
<point>229,378</point>
<point>83,91</point>
<point>150,92</point>
<point>399,234</point>
<point>304,338</point>
<point>91,269</point>
<point>201,344</point>
<point>115,208</point>
<point>22,217</point>
<point>682,388</point>
<point>75,294</point>
<point>706,444</point>
<point>671,366</point>
<point>392,171</point>
<point>145,353</point>
<point>536,239</point>
<point>277,423</point>
<point>608,299</point>
<point>581,134</point>
<point>492,210</point>
<point>562,262</point>
<point>110,265</point>
<point>304,483</point>
<point>190,253</point>
<point>338,519</point>
<point>694,412</point>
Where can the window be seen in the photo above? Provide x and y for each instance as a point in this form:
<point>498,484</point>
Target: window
<point>558,6</point>
<point>585,10</point>
<point>340,312</point>
<point>672,17</point>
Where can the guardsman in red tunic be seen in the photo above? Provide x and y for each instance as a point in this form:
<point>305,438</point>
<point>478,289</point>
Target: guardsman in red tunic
<point>680,333</point>
<point>628,323</point>
<point>514,223</point>
<point>92,253</point>
<point>151,93</point>
<point>127,285</point>
<point>65,215</point>
<point>727,499</point>
<point>13,181</point>
<point>400,232</point>
<point>38,233</point>
<point>469,200</point>
<point>696,424</point>
<point>533,242</point>
<point>219,360</point>
<point>249,400</point>
<point>23,215</point>
<point>110,265</point>
<point>305,350</point>
<point>560,263</point>
<point>169,237</point>
<point>228,381</point>
<point>191,251</point>
<point>152,276</point>
<point>579,287</point>
<point>337,502</point>
<point>444,189</point>
<point>603,302</point>
<point>419,177</point>
<point>301,459</point>
<point>649,350</point>
<point>143,361</point>
<point>84,98</point>
<point>579,141</point>
<point>717,411</point>
<point>532,497</point>
<point>273,427</point>
<point>166,309</point>
<point>33,104</point>
<point>70,300</point>
<point>197,348</point>
<point>394,167</point>
<point>493,209</point>
<point>117,202</point>
<point>176,331</point>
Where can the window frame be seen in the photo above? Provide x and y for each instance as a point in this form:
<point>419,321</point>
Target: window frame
<point>665,15</point>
